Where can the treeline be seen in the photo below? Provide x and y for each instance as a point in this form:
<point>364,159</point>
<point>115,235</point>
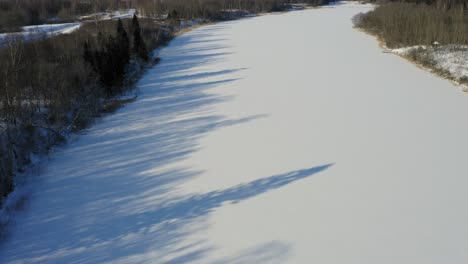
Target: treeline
<point>439,4</point>
<point>212,9</point>
<point>109,56</point>
<point>418,22</point>
<point>55,85</point>
<point>14,13</point>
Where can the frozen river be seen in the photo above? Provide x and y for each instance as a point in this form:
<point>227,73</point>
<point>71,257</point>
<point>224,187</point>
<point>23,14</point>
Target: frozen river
<point>286,138</point>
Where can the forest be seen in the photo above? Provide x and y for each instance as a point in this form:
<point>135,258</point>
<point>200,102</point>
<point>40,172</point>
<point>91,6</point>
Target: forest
<point>14,14</point>
<point>44,94</point>
<point>418,22</point>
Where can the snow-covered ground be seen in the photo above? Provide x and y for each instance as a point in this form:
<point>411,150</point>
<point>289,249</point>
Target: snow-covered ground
<point>39,31</point>
<point>452,59</point>
<point>50,30</point>
<point>287,138</point>
<point>123,14</point>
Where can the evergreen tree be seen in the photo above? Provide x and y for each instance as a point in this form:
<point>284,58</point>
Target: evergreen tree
<point>173,15</point>
<point>123,43</point>
<point>173,18</point>
<point>110,60</point>
<point>139,46</point>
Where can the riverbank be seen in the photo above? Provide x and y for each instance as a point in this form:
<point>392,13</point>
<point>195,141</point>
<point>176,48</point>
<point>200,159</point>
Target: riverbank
<point>448,61</point>
<point>243,149</point>
<point>432,36</point>
<point>47,95</point>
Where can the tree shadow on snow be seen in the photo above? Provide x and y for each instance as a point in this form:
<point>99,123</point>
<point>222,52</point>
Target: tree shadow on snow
<point>111,195</point>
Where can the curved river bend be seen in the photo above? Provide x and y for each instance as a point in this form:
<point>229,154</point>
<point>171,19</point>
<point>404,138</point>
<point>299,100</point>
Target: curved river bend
<point>288,138</point>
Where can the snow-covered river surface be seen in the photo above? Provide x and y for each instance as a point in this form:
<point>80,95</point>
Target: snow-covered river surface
<point>287,138</point>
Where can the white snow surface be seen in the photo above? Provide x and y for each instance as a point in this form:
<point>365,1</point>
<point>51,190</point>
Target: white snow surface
<point>287,138</point>
<point>123,14</point>
<point>49,30</point>
<point>39,31</point>
<point>453,59</point>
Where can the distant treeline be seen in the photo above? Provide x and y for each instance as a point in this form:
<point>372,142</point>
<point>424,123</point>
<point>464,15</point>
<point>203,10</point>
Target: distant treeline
<point>14,13</point>
<point>418,22</point>
<point>439,4</point>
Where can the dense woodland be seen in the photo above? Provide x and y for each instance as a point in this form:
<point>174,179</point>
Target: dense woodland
<point>14,13</point>
<point>418,22</point>
<point>52,86</point>
<point>55,85</point>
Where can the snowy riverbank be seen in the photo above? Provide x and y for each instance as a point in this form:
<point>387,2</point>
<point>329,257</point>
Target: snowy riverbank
<point>245,147</point>
<point>450,61</point>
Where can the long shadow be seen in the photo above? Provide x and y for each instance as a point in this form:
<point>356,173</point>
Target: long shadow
<point>139,229</point>
<point>199,75</point>
<point>271,253</point>
<point>198,205</point>
<point>110,196</point>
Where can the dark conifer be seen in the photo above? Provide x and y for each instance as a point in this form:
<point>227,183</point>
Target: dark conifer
<point>139,46</point>
<point>173,15</point>
<point>87,56</point>
<point>123,43</point>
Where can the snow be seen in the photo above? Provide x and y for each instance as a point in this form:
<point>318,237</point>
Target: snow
<point>407,50</point>
<point>262,140</point>
<point>50,30</point>
<point>122,14</point>
<point>454,61</point>
<point>449,58</point>
<point>39,31</point>
<point>190,23</point>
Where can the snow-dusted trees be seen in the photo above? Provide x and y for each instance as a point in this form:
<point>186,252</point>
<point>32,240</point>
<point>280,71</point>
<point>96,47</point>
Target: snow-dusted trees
<point>41,85</point>
<point>14,13</point>
<point>12,62</point>
<point>58,84</point>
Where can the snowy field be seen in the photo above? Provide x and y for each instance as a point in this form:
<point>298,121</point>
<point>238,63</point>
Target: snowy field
<point>288,138</point>
<point>49,30</point>
<point>41,31</point>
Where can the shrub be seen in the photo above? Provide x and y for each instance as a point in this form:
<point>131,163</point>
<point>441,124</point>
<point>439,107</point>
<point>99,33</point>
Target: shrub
<point>408,24</point>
